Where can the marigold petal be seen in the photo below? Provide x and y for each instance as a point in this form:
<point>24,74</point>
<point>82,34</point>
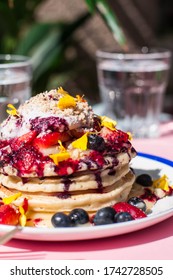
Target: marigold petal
<point>81,143</point>
<point>80,98</point>
<point>12,110</point>
<point>161,183</point>
<point>66,101</point>
<point>59,157</point>
<point>130,135</point>
<point>22,218</point>
<point>62,91</point>
<point>11,198</point>
<point>61,147</point>
<point>108,122</point>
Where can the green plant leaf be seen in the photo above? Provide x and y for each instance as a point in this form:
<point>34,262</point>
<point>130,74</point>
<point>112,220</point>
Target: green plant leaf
<point>91,5</point>
<point>103,8</point>
<point>34,36</point>
<point>46,45</point>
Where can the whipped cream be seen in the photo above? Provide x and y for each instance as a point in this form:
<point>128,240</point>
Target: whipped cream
<point>45,105</point>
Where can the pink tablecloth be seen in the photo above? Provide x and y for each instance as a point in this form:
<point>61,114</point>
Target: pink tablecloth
<point>155,242</point>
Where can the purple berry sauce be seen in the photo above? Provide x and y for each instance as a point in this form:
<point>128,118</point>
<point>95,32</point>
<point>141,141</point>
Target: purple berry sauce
<point>51,123</point>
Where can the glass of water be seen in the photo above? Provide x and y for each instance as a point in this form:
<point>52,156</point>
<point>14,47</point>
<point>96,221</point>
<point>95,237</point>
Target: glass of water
<point>132,87</point>
<point>15,81</point>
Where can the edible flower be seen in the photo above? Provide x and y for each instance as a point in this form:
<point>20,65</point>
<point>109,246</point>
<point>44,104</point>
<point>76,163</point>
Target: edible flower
<point>63,155</point>
<point>108,122</point>
<point>22,218</point>
<point>61,147</point>
<point>66,101</point>
<point>161,183</point>
<point>62,91</point>
<point>59,157</point>
<point>11,198</point>
<point>81,143</point>
<point>130,135</point>
<point>80,98</point>
<point>12,110</point>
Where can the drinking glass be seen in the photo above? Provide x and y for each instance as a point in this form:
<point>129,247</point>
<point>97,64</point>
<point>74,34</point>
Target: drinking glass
<point>132,88</point>
<point>15,81</point>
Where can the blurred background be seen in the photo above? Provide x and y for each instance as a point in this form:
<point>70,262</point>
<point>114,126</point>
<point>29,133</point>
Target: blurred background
<point>63,36</point>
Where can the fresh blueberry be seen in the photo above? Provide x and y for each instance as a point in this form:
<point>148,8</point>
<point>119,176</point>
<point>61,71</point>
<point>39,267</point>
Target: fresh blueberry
<point>60,219</point>
<point>104,216</point>
<point>96,142</point>
<point>122,217</point>
<point>79,216</point>
<point>138,202</point>
<point>145,180</point>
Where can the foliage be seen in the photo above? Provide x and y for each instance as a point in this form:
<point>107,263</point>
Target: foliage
<point>46,43</point>
<point>104,9</point>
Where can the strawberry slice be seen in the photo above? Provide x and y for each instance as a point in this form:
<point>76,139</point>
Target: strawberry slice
<point>135,212</point>
<point>23,139</point>
<point>9,215</point>
<point>50,139</point>
<point>114,135</point>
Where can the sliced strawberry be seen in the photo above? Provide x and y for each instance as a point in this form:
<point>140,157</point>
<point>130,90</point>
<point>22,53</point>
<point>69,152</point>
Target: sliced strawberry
<point>9,215</point>
<point>114,135</point>
<point>135,212</point>
<point>23,139</point>
<point>121,136</point>
<point>50,139</point>
<point>24,159</point>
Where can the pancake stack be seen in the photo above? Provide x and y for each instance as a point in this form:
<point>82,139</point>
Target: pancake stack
<point>58,155</point>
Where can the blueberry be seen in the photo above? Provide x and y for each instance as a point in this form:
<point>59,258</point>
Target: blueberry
<point>145,180</point>
<point>104,216</point>
<point>79,216</point>
<point>122,217</point>
<point>60,219</point>
<point>138,202</point>
<point>96,142</point>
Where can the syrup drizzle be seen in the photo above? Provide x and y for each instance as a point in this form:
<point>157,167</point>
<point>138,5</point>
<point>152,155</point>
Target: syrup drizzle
<point>64,195</point>
<point>112,172</point>
<point>67,182</point>
<point>99,181</point>
<point>148,195</point>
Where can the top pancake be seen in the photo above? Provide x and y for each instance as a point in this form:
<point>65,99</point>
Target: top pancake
<point>55,134</point>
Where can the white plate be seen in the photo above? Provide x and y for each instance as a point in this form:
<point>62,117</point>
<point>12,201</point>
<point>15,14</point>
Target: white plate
<point>163,209</point>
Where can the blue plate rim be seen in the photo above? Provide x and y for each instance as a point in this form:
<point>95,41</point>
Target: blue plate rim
<point>156,158</point>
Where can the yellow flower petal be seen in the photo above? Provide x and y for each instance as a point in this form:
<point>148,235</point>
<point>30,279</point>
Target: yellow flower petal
<point>81,143</point>
<point>59,157</point>
<point>62,91</point>
<point>161,183</point>
<point>61,147</point>
<point>130,135</point>
<point>108,122</point>
<point>22,218</point>
<point>12,110</point>
<point>66,101</point>
<point>80,98</point>
<point>11,198</point>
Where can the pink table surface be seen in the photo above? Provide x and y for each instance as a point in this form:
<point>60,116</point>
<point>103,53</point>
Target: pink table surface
<point>155,242</point>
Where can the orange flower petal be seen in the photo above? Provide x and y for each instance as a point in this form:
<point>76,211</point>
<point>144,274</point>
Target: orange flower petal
<point>11,198</point>
<point>81,143</point>
<point>59,157</point>
<point>66,101</point>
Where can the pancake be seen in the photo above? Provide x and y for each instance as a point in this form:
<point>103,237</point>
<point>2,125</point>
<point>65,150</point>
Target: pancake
<point>59,155</point>
<point>90,201</point>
